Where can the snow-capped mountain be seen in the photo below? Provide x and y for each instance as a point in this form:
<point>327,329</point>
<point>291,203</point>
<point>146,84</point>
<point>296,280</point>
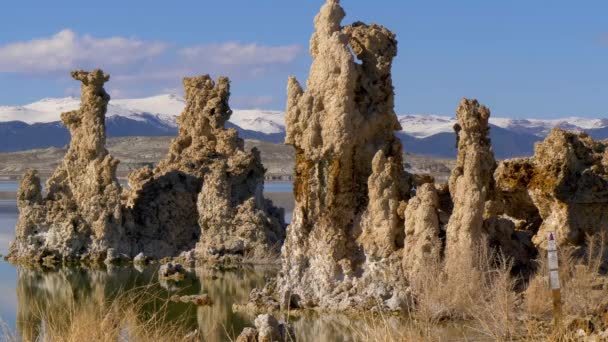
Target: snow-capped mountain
<point>38,125</point>
<point>426,125</point>
<point>164,108</point>
<point>50,109</point>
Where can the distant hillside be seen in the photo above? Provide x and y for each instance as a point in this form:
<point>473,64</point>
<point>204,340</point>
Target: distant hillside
<point>37,125</point>
<point>136,152</point>
<point>506,144</point>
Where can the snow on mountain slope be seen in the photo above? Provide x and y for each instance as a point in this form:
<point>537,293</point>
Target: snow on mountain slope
<point>540,127</point>
<point>166,107</point>
<point>264,121</point>
<point>163,110</point>
<point>423,125</point>
<point>50,109</point>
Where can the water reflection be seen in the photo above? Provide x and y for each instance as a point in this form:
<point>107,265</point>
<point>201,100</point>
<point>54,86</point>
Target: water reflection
<point>55,295</point>
<point>8,220</point>
<point>50,298</point>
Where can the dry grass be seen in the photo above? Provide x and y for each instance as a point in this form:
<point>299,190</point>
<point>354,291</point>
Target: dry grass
<point>469,302</point>
<point>484,297</point>
<point>481,295</point>
<point>584,294</point>
<point>6,335</point>
<point>383,328</point>
<point>123,318</point>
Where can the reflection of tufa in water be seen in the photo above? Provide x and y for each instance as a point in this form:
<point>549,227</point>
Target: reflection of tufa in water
<point>208,190</point>
<point>48,301</point>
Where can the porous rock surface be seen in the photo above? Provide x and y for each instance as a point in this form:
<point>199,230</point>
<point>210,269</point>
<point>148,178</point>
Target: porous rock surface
<point>349,180</point>
<point>267,329</point>
<point>80,217</point>
<point>470,184</point>
<point>562,188</point>
<point>206,196</point>
<point>207,193</point>
<point>480,222</point>
<point>423,245</point>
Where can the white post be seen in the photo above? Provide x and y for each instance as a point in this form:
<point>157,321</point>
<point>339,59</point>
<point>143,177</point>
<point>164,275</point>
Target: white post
<point>554,278</point>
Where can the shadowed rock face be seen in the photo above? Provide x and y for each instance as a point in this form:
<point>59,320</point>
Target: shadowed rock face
<point>349,179</point>
<point>423,246</point>
<point>81,215</point>
<point>207,189</point>
<point>565,183</point>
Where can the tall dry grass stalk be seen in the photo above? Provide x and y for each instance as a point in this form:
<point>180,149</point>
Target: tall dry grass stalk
<point>122,318</point>
<point>483,300</point>
<point>584,291</point>
<point>482,293</point>
<point>386,328</point>
<point>6,335</point>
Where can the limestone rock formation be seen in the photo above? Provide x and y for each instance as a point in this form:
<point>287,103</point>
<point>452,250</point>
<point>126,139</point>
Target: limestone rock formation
<point>423,245</point>
<point>207,192</point>
<point>471,184</point>
<point>349,179</point>
<point>562,188</point>
<point>267,329</point>
<point>80,216</point>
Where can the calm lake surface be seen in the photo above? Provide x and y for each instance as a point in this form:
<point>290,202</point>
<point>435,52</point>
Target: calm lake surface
<point>268,187</point>
<point>27,296</point>
<point>24,292</point>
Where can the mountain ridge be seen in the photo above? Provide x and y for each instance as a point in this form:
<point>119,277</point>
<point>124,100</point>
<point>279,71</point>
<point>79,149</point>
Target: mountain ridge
<point>37,125</point>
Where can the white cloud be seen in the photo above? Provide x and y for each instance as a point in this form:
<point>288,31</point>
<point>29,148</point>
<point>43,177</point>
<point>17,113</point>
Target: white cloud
<point>141,68</point>
<point>67,50</point>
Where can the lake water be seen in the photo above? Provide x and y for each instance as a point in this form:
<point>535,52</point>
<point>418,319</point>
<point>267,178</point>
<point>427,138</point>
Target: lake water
<point>268,187</point>
<point>9,186</point>
<point>23,290</point>
<point>28,298</point>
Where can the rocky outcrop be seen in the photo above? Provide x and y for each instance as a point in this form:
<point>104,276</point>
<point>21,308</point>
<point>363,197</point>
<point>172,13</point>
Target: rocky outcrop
<point>423,246</point>
<point>207,192</point>
<point>80,217</point>
<point>471,185</point>
<point>267,329</point>
<point>562,188</point>
<point>349,179</point>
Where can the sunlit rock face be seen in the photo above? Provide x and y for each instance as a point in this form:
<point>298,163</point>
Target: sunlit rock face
<point>207,192</point>
<point>471,184</point>
<point>349,180</point>
<point>80,216</point>
<point>479,218</point>
<point>562,188</point>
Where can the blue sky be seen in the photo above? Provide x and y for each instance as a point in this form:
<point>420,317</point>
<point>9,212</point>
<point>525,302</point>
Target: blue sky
<point>521,58</point>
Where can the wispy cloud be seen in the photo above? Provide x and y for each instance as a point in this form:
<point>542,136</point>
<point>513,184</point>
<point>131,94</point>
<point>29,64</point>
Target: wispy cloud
<point>143,67</point>
<point>132,59</point>
<point>67,50</point>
